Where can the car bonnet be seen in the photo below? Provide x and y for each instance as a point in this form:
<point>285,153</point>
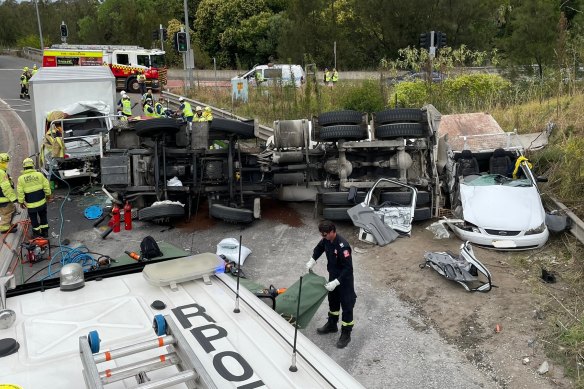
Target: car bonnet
<point>502,207</point>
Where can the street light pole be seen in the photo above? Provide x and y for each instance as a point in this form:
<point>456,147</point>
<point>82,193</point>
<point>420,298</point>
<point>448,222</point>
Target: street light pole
<point>36,4</point>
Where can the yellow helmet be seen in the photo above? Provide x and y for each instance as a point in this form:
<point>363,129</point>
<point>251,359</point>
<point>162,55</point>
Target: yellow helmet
<point>4,158</point>
<point>25,69</point>
<point>207,109</point>
<point>28,163</point>
<point>34,67</point>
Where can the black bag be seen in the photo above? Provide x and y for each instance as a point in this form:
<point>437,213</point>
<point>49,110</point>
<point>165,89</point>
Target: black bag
<point>149,248</point>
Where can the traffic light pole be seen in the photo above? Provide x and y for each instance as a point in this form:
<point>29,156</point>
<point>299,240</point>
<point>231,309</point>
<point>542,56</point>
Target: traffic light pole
<point>187,55</point>
<point>161,35</point>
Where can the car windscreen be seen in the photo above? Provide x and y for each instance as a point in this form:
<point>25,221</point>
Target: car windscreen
<point>497,179</point>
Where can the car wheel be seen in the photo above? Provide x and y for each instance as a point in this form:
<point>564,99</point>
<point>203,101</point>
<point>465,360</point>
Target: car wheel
<point>424,213</point>
<point>336,213</point>
<point>161,212</point>
<point>340,117</point>
<point>229,214</point>
<point>404,198</point>
<point>399,115</point>
<point>400,130</point>
<point>156,127</point>
<point>352,132</point>
<point>340,198</point>
<point>237,127</point>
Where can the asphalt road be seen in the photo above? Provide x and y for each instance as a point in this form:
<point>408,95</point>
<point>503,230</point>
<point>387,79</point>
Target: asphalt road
<point>388,349</point>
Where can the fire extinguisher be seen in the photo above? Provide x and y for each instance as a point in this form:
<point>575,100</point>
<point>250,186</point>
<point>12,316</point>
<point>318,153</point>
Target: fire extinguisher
<point>116,218</point>
<point>128,216</point>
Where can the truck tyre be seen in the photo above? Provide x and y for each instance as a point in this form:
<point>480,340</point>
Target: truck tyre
<point>336,213</point>
<point>399,115</point>
<point>351,132</point>
<point>229,214</point>
<point>155,127</point>
<point>400,130</point>
<point>132,85</point>
<point>161,212</point>
<point>340,198</point>
<point>237,127</point>
<point>340,117</point>
<point>404,198</point>
<point>424,213</point>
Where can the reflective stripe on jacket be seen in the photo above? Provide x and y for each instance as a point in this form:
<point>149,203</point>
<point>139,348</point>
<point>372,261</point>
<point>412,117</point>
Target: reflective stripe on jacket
<point>127,107</point>
<point>149,111</point>
<point>7,194</point>
<point>33,188</point>
<point>187,110</point>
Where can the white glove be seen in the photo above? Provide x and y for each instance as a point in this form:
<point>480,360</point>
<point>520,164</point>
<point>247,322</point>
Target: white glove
<point>332,285</point>
<point>310,264</point>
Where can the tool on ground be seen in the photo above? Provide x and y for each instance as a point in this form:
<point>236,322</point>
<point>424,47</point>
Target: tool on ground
<point>135,256</point>
<point>128,216</point>
<point>101,219</point>
<point>37,249</point>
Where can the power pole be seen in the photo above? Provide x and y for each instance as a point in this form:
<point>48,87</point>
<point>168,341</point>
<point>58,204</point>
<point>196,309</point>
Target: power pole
<point>187,56</point>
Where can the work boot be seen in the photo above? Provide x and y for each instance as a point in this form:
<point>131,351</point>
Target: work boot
<point>329,327</point>
<point>44,232</point>
<point>345,337</point>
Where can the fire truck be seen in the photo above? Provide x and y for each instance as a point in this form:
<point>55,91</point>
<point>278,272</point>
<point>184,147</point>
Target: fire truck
<point>126,62</point>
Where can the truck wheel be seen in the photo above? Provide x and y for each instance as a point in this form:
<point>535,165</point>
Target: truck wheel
<point>340,117</point>
<point>237,127</point>
<point>352,132</point>
<point>161,212</point>
<point>399,115</point>
<point>336,213</point>
<point>132,85</point>
<point>400,130</point>
<point>229,214</point>
<point>158,126</point>
<point>340,198</point>
<point>404,198</point>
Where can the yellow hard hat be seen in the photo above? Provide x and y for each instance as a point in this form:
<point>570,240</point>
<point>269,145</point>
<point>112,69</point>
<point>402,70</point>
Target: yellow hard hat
<point>34,67</point>
<point>28,163</point>
<point>207,109</point>
<point>4,158</point>
<point>25,68</point>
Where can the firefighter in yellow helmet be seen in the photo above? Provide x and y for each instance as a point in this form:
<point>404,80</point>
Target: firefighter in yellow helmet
<point>198,114</point>
<point>53,145</point>
<point>207,114</point>
<point>7,196</point>
<point>33,190</point>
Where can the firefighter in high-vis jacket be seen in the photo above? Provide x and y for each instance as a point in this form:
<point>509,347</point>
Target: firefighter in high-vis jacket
<point>33,191</point>
<point>7,196</point>
<point>53,145</point>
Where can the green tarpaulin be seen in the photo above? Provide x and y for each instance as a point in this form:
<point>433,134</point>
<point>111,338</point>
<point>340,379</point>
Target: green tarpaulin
<point>313,292</point>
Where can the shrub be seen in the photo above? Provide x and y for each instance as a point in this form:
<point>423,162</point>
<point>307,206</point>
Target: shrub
<point>409,94</point>
<point>366,97</point>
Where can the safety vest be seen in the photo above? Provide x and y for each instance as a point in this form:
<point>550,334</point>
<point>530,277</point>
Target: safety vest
<point>327,76</point>
<point>33,188</point>
<point>259,76</point>
<point>53,143</point>
<point>187,110</point>
<point>149,111</point>
<point>7,194</point>
<point>141,78</point>
<point>207,116</point>
<point>146,96</point>
<point>159,108</point>
<point>34,71</point>
<point>127,107</point>
<point>335,76</point>
<point>23,79</point>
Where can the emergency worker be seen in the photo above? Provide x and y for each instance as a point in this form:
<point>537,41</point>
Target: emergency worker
<point>149,109</point>
<point>199,114</point>
<point>34,70</point>
<point>141,78</point>
<point>340,286</point>
<point>33,190</point>
<point>148,95</point>
<point>335,76</point>
<point>160,109</point>
<point>53,143</point>
<point>186,110</point>
<point>7,195</point>
<point>327,76</point>
<point>23,86</point>
<point>207,114</point>
<point>259,77</point>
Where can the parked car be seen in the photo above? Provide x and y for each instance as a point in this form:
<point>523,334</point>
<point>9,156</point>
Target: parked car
<point>491,208</point>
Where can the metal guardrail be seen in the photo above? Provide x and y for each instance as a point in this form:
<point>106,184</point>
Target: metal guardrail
<point>32,53</point>
<point>577,227</point>
<point>263,132</point>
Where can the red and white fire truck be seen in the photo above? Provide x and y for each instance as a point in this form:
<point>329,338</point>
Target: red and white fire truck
<point>126,62</point>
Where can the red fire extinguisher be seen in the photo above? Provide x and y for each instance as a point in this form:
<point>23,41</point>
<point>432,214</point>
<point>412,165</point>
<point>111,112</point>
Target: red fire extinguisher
<point>128,216</point>
<point>116,218</point>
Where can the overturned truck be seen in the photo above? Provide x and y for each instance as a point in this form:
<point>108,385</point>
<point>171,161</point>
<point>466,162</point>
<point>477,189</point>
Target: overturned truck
<point>316,159</point>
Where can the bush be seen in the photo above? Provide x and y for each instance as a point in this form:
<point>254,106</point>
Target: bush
<point>409,94</point>
<point>364,98</point>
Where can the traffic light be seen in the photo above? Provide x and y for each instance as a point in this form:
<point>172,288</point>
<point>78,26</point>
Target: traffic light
<point>425,40</point>
<point>441,39</point>
<point>181,42</point>
<point>155,35</point>
<point>64,32</point>
<point>164,34</point>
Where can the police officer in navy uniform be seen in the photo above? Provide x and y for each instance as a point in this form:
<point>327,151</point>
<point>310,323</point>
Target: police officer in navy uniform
<point>340,286</point>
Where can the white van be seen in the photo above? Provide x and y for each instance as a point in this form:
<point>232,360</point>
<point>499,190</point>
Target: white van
<point>274,74</point>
